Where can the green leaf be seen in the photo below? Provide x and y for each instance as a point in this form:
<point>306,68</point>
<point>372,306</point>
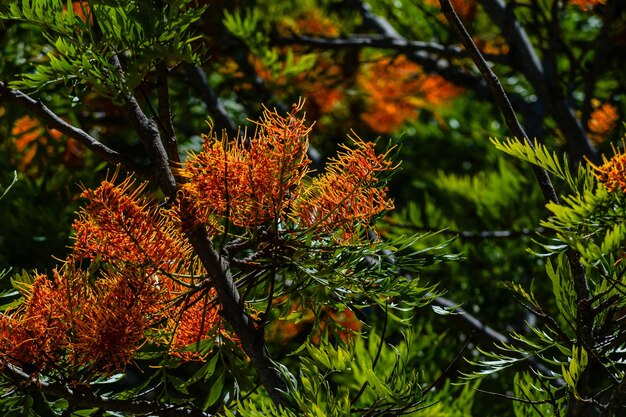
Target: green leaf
<point>215,393</point>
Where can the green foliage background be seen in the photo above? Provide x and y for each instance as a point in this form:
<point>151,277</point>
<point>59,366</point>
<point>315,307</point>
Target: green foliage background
<point>452,179</point>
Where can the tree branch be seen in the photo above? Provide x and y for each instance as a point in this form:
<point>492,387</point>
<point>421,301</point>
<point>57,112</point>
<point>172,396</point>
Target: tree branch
<point>381,42</point>
<point>27,382</point>
<point>198,80</point>
<point>168,133</point>
<point>51,119</point>
<point>545,85</point>
<point>218,267</point>
<point>584,319</point>
<point>499,95</point>
<point>249,333</point>
<point>149,135</point>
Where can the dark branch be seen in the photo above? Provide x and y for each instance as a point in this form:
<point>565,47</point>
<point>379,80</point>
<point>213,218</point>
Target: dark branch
<point>470,234</point>
<point>165,118</point>
<point>381,42</point>
<point>149,135</point>
<point>198,80</point>
<point>250,333</point>
<point>584,319</point>
<point>75,398</point>
<point>545,85</point>
<point>500,96</point>
<point>50,118</point>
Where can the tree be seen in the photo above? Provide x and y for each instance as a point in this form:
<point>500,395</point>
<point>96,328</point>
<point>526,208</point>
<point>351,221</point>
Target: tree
<point>238,281</point>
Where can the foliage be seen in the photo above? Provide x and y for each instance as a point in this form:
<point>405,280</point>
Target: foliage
<point>248,273</point>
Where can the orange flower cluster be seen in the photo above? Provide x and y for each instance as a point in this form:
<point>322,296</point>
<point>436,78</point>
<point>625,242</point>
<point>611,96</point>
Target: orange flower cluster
<point>34,333</point>
<point>397,90</point>
<point>496,45</point>
<point>118,225</point>
<point>466,9</point>
<point>144,282</point>
<point>196,319</point>
<point>347,194</point>
<point>252,180</point>
<point>315,23</point>
<point>587,5</point>
<point>613,172</point>
<point>32,138</point>
<point>111,323</point>
<point>322,83</point>
<point>66,320</point>
<point>602,122</point>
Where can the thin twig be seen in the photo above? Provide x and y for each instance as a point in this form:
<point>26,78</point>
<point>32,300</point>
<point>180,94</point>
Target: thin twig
<point>381,42</point>
<point>39,109</point>
<point>584,319</point>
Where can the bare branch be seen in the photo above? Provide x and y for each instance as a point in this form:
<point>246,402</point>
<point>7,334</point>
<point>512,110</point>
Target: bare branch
<point>198,80</point>
<point>166,124</point>
<point>500,96</point>
<point>382,42</point>
<point>51,119</point>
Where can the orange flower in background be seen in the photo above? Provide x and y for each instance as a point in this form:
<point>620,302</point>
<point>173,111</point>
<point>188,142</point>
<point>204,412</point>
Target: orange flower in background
<point>602,121</point>
<point>252,180</point>
<point>397,89</point>
<point>587,5</point>
<point>613,172</point>
<point>495,45</point>
<point>466,9</point>
<point>436,90</point>
<point>344,322</point>
<point>322,83</point>
<point>315,23</point>
<point>82,9</point>
<point>29,136</point>
<point>347,194</point>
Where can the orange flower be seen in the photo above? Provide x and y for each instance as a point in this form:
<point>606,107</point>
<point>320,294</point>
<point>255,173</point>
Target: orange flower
<point>343,323</point>
<point>397,89</point>
<point>466,9</point>
<point>29,136</point>
<point>253,180</point>
<point>587,5</point>
<point>315,23</point>
<point>613,172</point>
<point>495,46</point>
<point>195,320</point>
<point>347,194</point>
<point>66,319</point>
<point>82,9</point>
<point>602,121</point>
<point>122,306</point>
<point>118,225</point>
<point>34,335</point>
